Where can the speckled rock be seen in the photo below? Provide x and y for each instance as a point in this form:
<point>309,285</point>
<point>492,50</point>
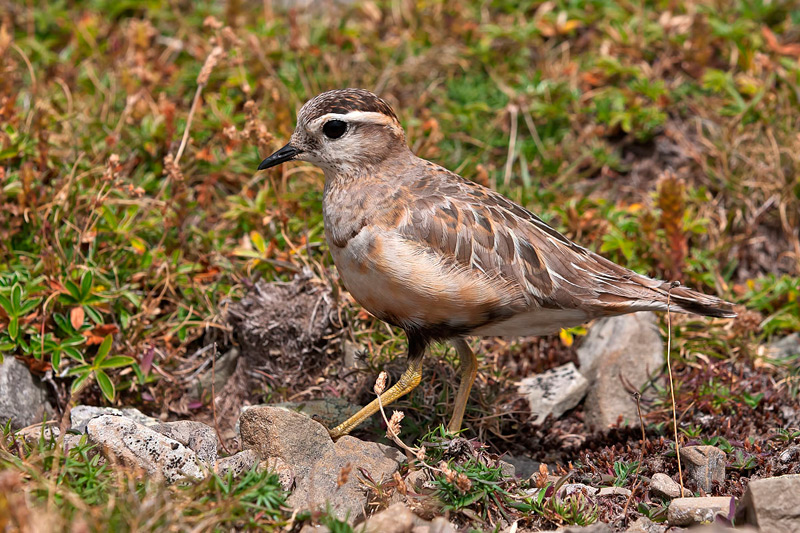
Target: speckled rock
<point>627,347</point>
<point>200,438</point>
<point>704,465</point>
<point>663,486</point>
<point>123,440</point>
<point>690,511</point>
<point>282,468</point>
<point>237,463</point>
<point>80,415</point>
<point>23,397</point>
<point>553,392</point>
<point>321,488</point>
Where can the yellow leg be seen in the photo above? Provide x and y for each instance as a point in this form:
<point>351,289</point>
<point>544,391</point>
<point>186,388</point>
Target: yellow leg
<point>407,382</point>
<point>469,370</point>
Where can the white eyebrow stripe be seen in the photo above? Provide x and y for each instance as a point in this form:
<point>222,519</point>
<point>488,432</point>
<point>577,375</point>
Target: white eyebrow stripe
<point>371,117</point>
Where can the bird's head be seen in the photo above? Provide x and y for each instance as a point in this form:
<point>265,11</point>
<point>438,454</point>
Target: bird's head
<point>343,131</point>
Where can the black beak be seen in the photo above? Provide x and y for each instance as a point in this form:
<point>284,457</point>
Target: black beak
<point>287,153</point>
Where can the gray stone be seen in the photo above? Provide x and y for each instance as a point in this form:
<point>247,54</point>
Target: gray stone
<point>614,491</point>
<point>689,511</point>
<point>200,438</point>
<point>524,467</point>
<point>553,392</point>
<point>597,527</point>
<point>321,486</point>
<point>616,350</point>
<point>220,373</point>
<point>645,525</point>
<point>278,432</point>
<point>123,440</point>
<point>80,415</point>
<point>704,465</point>
<point>785,347</point>
<point>396,518</point>
<point>310,528</point>
<point>237,464</point>
<point>23,398</point>
<point>772,504</point>
<point>663,486</point>
<point>329,411</point>
<point>33,434</point>
<point>440,525</point>
<point>507,469</point>
<point>572,488</point>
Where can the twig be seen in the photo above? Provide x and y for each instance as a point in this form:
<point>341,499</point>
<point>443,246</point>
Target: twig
<point>671,385</point>
<point>202,80</point>
<point>637,397</point>
<point>512,145</point>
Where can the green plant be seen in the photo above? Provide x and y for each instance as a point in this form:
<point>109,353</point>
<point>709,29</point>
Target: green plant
<point>622,471</point>
<point>97,370</point>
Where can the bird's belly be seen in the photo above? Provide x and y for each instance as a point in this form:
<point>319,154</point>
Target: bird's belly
<point>402,284</point>
<point>540,321</point>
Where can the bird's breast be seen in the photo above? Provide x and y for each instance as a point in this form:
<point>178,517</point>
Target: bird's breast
<point>405,285</point>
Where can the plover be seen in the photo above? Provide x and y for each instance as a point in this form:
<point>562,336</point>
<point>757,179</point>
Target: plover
<point>444,258</point>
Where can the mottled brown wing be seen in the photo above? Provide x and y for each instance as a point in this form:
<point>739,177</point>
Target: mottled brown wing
<point>476,228</point>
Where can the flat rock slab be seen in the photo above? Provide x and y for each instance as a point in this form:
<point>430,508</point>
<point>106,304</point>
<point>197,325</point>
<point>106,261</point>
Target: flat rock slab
<point>553,392</point>
<point>772,504</point>
<point>704,465</point>
<point>123,440</point>
<point>321,487</point>
<point>690,511</point>
<point>613,491</point>
<point>628,348</point>
<point>23,398</point>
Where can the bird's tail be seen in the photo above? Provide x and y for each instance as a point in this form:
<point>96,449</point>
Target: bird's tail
<point>686,300</point>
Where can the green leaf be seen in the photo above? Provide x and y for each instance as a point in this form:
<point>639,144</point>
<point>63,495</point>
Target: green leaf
<point>117,361</point>
<point>55,360</point>
<point>13,328</point>
<point>80,382</point>
<point>62,322</point>
<point>73,290</point>
<point>93,314</point>
<point>80,369</point>
<point>28,306</point>
<point>7,346</point>
<point>258,242</point>
<point>73,353</point>
<point>5,303</point>
<point>16,298</point>
<point>86,284</point>
<point>106,385</point>
<point>102,352</point>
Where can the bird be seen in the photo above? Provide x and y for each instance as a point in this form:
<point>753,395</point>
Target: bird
<point>444,258</point>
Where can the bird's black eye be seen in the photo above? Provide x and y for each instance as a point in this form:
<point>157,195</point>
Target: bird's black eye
<point>333,129</point>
